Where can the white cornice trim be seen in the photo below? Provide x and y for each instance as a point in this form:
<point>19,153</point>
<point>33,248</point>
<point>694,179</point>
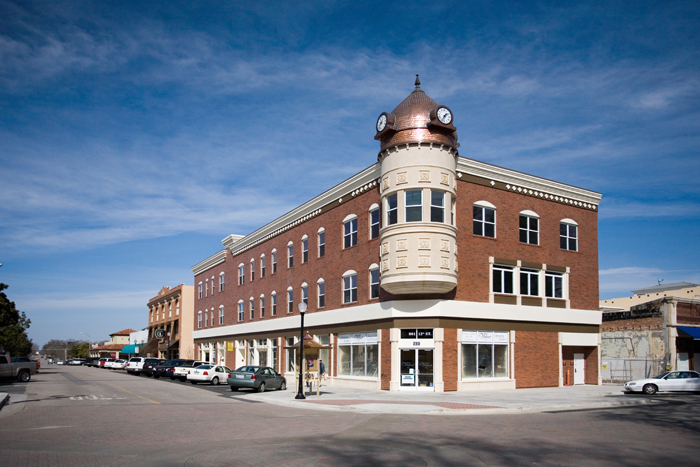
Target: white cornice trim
<point>518,180</point>
<point>402,309</point>
<point>209,263</point>
<point>363,181</point>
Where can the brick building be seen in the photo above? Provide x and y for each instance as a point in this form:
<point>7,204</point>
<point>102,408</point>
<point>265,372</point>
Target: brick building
<point>425,271</point>
<point>170,323</point>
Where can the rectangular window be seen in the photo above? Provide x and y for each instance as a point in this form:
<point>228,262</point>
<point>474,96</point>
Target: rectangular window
<point>222,277</point>
<point>274,305</point>
<point>199,292</point>
<point>350,288</point>
<point>374,283</point>
<point>241,274</point>
<point>206,292</point>
<point>529,282</point>
<point>262,307</point>
<point>554,284</point>
<point>350,233</point>
<point>321,244</point>
<point>212,317</point>
<point>252,270</point>
<point>290,301</point>
<point>502,279</point>
<point>529,230</point>
<point>206,319</point>
<point>392,209</point>
<point>290,256</point>
<point>374,224</point>
<point>485,359</point>
<point>199,320</point>
<point>484,221</point>
<point>274,262</point>
<point>291,356</point>
<point>305,250</point>
<point>321,294</point>
<point>358,360</point>
<point>262,267</point>
<point>212,286</point>
<point>437,206</point>
<point>568,237</point>
<point>414,205</point>
<point>241,312</point>
<point>305,295</point>
<point>252,309</point>
<point>221,315</point>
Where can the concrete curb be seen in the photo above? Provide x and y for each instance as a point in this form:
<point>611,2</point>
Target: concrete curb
<point>4,399</point>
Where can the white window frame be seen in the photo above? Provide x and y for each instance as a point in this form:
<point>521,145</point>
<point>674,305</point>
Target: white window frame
<point>434,208</point>
<point>413,207</point>
<point>550,280</point>
<point>222,281</point>
<point>273,304</point>
<point>503,270</point>
<point>199,319</point>
<point>262,265</point>
<point>200,291</point>
<point>290,255</point>
<point>262,306</point>
<point>567,237</point>
<point>392,211</point>
<point>321,242</point>
<point>252,269</point>
<point>221,314</point>
<point>374,224</point>
<point>274,260</point>
<point>305,293</point>
<point>373,269</point>
<point>483,207</point>
<point>528,230</point>
<point>290,299</point>
<point>241,311</point>
<point>349,287</point>
<point>241,274</point>
<point>320,293</point>
<point>532,279</point>
<point>304,249</point>
<point>349,231</point>
<point>251,307</point>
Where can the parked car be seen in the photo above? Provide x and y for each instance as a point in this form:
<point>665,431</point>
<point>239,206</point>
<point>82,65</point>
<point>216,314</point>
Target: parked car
<point>166,368</point>
<point>259,378</point>
<point>212,374</point>
<point>21,370</point>
<point>60,362</point>
<point>672,381</point>
<point>118,364</point>
<point>135,365</point>
<point>91,361</point>
<point>108,363</point>
<point>76,361</point>
<point>180,371</point>
<point>149,364</point>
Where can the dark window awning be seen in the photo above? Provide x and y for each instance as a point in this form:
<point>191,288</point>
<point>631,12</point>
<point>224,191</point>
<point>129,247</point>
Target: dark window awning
<point>131,348</point>
<point>693,332</point>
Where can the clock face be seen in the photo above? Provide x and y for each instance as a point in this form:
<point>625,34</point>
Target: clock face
<point>444,115</point>
<point>381,122</point>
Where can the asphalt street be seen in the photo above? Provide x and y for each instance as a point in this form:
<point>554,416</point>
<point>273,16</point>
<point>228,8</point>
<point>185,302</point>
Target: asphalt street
<point>77,416</point>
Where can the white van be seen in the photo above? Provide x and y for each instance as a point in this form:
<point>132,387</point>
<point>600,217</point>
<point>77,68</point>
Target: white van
<point>135,365</point>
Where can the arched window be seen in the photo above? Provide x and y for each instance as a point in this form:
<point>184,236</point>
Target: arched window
<point>273,296</point>
<point>484,219</point>
<point>529,227</point>
<point>374,221</point>
<point>374,281</point>
<point>321,242</point>
<point>221,314</point>
<point>349,286</point>
<point>290,299</point>
<point>350,231</point>
<point>321,287</point>
<point>568,234</point>
<point>241,311</point>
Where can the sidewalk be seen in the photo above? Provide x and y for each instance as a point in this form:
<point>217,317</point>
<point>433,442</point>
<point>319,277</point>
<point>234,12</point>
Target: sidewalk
<point>4,399</point>
<point>472,402</point>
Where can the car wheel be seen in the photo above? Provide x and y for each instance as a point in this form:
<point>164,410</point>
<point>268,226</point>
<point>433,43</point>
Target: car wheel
<point>23,377</point>
<point>234,389</point>
<point>193,382</point>
<point>262,387</point>
<point>283,386</point>
<point>215,381</point>
<point>650,389</point>
<point>182,380</point>
<point>156,376</point>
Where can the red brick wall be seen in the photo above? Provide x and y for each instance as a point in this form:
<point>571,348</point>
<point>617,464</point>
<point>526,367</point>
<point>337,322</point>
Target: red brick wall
<point>450,372</point>
<point>590,355</point>
<point>386,359</point>
<point>536,359</point>
<point>474,250</point>
<point>688,313</point>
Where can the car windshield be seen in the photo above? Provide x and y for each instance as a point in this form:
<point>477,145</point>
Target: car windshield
<point>205,367</point>
<point>251,369</point>
<point>135,359</point>
<point>662,375</point>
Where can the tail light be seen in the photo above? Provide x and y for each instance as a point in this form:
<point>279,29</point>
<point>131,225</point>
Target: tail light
<point>188,372</point>
<point>206,373</point>
<point>253,377</point>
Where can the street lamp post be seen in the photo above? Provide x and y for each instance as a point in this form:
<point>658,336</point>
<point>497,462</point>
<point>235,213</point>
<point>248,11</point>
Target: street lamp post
<point>300,392</point>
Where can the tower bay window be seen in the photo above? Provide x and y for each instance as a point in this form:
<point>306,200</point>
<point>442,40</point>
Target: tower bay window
<point>437,206</point>
<point>392,209</point>
<point>414,205</point>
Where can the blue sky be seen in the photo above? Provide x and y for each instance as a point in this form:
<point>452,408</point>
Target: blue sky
<point>134,136</point>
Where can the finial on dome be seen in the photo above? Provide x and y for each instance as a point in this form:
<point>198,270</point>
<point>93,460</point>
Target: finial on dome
<point>417,82</point>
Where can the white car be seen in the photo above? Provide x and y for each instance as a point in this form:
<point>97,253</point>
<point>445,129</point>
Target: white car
<point>688,381</point>
<point>118,364</point>
<point>180,372</point>
<point>208,373</point>
<point>135,365</point>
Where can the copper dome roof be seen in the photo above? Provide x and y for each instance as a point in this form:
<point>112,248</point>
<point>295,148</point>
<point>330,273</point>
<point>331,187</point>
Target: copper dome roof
<point>414,124</point>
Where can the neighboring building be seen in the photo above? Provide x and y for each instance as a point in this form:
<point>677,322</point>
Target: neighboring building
<point>425,271</point>
<point>137,342</point>
<point>170,321</point>
<point>112,348</point>
<point>676,289</point>
<point>653,336</point>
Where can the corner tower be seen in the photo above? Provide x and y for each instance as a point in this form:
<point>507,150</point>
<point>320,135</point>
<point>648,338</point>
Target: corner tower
<point>418,159</point>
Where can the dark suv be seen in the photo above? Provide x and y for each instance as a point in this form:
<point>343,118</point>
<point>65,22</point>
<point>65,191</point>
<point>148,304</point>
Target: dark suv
<point>150,364</point>
<point>166,369</point>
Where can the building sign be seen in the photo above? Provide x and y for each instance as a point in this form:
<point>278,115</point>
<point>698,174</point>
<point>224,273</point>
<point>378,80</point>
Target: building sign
<point>484,337</point>
<point>229,346</point>
<point>416,334</point>
<point>358,338</point>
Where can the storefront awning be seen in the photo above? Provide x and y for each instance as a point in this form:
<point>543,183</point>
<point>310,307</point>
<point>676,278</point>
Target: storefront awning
<point>694,332</point>
<point>131,348</point>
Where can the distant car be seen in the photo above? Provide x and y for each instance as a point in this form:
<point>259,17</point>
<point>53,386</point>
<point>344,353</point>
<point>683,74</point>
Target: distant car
<point>259,378</point>
<point>671,381</point>
<point>149,364</point>
<point>212,374</point>
<point>108,363</point>
<point>135,365</point>
<point>60,362</point>
<point>91,361</point>
<point>118,364</point>
<point>180,371</point>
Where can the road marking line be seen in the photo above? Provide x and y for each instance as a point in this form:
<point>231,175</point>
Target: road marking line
<point>149,400</point>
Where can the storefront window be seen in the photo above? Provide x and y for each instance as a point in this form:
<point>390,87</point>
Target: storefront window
<point>484,354</point>
<point>358,354</point>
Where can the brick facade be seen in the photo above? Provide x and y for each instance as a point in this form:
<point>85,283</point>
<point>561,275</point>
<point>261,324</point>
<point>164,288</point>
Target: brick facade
<point>450,369</point>
<point>536,359</point>
<point>386,359</point>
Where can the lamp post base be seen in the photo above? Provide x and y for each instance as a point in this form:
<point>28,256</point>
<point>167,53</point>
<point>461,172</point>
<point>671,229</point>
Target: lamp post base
<point>300,396</point>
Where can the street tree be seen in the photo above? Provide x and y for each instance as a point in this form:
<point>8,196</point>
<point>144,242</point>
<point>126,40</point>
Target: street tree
<point>13,327</point>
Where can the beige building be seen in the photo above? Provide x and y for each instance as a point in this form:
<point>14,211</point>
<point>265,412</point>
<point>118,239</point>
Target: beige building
<point>112,348</point>
<point>171,322</point>
<point>647,294</point>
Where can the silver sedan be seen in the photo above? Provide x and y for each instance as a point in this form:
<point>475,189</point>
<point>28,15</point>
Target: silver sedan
<point>681,381</point>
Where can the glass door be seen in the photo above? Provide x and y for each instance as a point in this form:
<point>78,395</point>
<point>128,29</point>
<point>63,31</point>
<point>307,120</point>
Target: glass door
<point>417,369</point>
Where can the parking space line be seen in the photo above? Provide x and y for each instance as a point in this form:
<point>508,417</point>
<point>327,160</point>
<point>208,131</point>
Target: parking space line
<point>149,400</point>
